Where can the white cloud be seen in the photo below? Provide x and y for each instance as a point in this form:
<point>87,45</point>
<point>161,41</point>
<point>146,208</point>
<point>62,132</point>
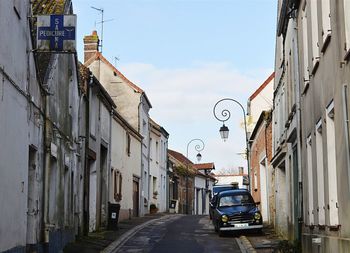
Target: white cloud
<point>183,100</point>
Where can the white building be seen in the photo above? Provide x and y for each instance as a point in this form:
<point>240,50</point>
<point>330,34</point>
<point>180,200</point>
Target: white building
<point>260,100</point>
<point>203,187</point>
<point>125,171</point>
<point>132,104</point>
<point>21,132</point>
<point>158,166</point>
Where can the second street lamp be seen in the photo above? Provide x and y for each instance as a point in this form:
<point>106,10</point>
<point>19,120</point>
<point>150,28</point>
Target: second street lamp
<point>198,147</point>
<point>224,131</point>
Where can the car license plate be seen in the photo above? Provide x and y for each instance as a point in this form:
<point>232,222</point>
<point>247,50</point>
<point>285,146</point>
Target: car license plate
<point>241,225</point>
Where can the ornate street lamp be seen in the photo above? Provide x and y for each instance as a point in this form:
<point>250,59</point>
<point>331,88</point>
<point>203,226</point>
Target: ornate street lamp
<point>198,147</point>
<point>224,131</point>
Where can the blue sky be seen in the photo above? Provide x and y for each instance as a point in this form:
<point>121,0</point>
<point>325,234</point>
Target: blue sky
<point>186,55</point>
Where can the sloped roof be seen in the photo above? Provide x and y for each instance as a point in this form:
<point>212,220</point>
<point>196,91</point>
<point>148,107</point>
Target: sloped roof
<point>84,78</point>
<point>204,166</point>
<point>267,81</point>
<point>99,56</point>
<point>180,157</point>
<point>49,6</point>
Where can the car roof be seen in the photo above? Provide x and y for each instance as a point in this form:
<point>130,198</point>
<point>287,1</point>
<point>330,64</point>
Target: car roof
<point>235,191</point>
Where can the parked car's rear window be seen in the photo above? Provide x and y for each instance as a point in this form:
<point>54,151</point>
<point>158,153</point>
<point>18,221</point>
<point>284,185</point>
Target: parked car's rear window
<point>237,199</point>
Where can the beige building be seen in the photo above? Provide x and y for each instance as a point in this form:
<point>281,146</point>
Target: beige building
<point>132,104</point>
<point>312,53</point>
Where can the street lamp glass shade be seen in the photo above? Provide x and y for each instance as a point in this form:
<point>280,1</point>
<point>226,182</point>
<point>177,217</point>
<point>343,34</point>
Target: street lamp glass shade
<point>224,132</point>
<point>199,157</point>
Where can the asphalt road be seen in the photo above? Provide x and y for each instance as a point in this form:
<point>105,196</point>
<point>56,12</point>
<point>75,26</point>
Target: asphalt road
<point>180,234</point>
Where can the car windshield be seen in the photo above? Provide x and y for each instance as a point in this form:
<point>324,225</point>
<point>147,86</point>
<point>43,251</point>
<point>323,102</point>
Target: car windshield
<point>237,199</point>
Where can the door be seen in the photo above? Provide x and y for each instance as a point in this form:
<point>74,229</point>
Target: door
<point>32,199</point>
<point>264,191</point>
<point>135,198</point>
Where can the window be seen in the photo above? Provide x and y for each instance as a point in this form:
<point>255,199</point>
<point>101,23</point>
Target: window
<point>117,185</point>
<point>310,182</point>
<point>314,36</point>
<point>326,23</point>
<point>157,152</point>
<point>332,167</point>
<point>128,143</point>
<point>347,27</point>
<point>150,148</point>
<point>305,48</point>
<point>346,125</point>
<point>320,174</point>
<point>155,192</point>
<point>93,115</point>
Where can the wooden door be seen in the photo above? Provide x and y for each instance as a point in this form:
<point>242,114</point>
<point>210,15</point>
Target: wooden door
<point>135,198</point>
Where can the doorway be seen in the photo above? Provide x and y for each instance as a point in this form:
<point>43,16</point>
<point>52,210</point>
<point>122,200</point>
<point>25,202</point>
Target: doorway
<point>135,197</point>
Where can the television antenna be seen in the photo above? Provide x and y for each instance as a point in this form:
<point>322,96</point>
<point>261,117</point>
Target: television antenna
<point>101,10</point>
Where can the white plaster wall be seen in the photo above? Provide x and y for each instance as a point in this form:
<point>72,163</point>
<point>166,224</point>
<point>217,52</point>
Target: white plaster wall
<point>163,174</point>
<point>19,128</point>
<point>262,102</point>
<point>123,95</point>
<point>129,166</point>
<point>230,179</point>
<point>105,122</point>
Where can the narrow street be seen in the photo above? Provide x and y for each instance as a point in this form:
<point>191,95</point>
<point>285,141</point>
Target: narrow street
<point>180,233</point>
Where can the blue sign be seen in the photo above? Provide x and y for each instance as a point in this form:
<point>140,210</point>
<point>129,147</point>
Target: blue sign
<point>54,35</point>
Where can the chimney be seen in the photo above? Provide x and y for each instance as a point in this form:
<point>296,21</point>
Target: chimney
<point>91,43</point>
<point>240,170</point>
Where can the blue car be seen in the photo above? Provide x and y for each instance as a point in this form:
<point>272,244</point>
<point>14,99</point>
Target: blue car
<point>236,210</point>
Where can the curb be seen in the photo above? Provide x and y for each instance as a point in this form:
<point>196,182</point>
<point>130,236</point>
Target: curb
<point>117,244</point>
<point>245,245</point>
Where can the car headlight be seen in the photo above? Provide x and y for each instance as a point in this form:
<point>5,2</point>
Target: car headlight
<point>224,218</point>
<point>257,216</point>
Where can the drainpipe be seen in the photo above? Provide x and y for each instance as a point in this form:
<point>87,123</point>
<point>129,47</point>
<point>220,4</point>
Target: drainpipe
<point>109,166</point>
<point>298,116</point>
<point>47,168</point>
<point>142,183</point>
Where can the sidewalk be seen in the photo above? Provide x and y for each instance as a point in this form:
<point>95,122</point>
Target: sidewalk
<point>267,242</point>
<point>98,241</point>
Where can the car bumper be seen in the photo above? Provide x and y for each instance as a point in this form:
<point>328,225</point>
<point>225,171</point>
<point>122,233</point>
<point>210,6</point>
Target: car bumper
<point>230,228</point>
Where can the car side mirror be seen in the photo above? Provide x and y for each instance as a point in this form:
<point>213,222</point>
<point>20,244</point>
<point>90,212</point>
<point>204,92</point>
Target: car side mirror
<point>257,203</point>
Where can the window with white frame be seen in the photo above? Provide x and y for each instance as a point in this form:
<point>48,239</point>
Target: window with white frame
<point>346,125</point>
<point>332,167</point>
<point>314,35</point>
<point>347,27</point>
<point>117,178</point>
<point>305,47</point>
<point>326,23</point>
<point>320,174</point>
<point>150,148</point>
<point>310,182</point>
<point>128,144</point>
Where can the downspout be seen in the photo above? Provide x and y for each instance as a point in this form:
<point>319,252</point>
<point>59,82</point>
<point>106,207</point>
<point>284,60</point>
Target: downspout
<point>87,164</point>
<point>109,166</point>
<point>299,137</point>
<point>149,163</point>
<point>267,170</point>
<point>47,168</point>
